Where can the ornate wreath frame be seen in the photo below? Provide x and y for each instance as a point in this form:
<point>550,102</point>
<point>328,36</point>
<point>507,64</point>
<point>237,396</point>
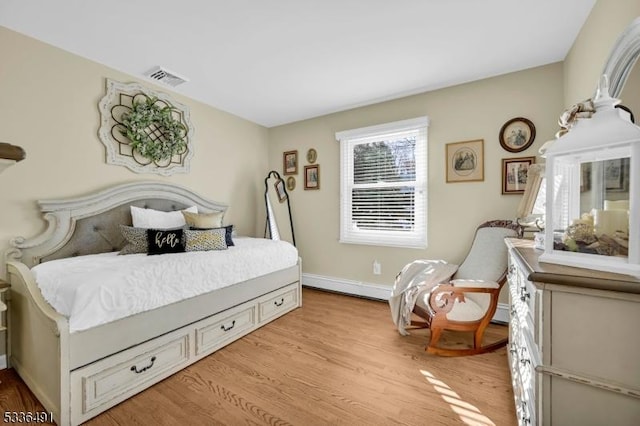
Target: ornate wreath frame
<point>144,130</point>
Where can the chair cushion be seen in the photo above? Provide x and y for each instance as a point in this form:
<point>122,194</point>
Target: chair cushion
<point>472,309</point>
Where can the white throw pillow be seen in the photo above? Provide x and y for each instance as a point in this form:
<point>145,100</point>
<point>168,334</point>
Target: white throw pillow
<point>149,218</point>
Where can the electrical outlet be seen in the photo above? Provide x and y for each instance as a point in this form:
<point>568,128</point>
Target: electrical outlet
<point>377,267</point>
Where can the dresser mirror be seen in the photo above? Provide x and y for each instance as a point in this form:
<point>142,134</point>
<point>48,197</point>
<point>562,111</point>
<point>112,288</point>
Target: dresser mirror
<point>612,192</point>
<point>620,63</point>
<point>624,84</point>
<point>279,225</point>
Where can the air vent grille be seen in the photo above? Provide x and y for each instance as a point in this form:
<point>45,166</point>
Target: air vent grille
<point>165,76</point>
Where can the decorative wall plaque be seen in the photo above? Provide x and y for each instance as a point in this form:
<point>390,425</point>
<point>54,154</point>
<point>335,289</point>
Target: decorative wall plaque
<point>144,130</point>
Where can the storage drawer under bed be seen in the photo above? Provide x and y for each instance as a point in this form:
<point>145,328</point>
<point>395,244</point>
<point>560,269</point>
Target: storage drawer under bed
<point>278,303</point>
<point>225,327</point>
<point>107,382</point>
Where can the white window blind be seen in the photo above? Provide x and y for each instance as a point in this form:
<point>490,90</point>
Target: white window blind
<point>383,198</point>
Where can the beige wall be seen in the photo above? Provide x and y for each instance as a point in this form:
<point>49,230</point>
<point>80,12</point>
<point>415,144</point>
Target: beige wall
<point>470,111</point>
<point>586,59</point>
<point>630,95</point>
<point>48,105</point>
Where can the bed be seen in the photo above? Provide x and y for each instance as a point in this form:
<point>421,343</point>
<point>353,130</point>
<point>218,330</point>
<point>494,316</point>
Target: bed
<point>79,371</point>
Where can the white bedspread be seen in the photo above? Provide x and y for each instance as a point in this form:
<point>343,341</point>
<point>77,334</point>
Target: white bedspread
<point>96,289</point>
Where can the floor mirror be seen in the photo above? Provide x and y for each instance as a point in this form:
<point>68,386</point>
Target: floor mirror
<point>279,225</point>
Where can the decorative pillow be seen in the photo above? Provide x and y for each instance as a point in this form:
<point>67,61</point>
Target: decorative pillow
<point>228,234</point>
<point>136,240</point>
<point>205,239</point>
<point>161,241</point>
<point>156,219</point>
<point>203,220</point>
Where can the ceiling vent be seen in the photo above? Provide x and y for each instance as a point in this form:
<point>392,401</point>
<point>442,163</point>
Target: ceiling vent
<point>165,76</point>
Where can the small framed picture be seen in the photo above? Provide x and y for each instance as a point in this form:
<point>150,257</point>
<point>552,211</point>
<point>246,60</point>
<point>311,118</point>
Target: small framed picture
<point>282,194</point>
<point>514,174</point>
<point>291,183</point>
<point>312,156</point>
<point>312,177</point>
<point>517,134</point>
<point>290,162</point>
<point>465,161</point>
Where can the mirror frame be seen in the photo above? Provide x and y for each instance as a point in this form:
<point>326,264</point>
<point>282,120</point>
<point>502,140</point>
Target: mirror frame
<point>535,175</point>
<point>623,56</point>
<point>270,220</point>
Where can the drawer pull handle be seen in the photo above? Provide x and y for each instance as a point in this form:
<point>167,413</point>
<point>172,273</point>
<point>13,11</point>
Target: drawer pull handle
<point>223,328</point>
<point>525,419</point>
<point>525,361</point>
<point>524,294</point>
<point>135,369</point>
<point>280,302</point>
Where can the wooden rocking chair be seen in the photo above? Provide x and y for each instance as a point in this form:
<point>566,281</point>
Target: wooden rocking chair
<point>469,300</point>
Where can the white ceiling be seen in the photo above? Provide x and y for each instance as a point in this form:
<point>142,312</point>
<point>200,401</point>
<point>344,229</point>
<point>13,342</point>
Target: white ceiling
<point>278,61</point>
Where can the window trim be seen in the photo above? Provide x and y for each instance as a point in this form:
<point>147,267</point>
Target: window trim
<point>415,239</point>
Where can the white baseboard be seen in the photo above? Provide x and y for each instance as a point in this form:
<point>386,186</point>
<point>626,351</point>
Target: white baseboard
<point>3,362</point>
<point>373,291</point>
<point>355,288</point>
<point>502,313</point>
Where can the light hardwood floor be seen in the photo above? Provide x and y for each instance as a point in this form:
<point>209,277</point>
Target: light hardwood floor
<point>338,360</point>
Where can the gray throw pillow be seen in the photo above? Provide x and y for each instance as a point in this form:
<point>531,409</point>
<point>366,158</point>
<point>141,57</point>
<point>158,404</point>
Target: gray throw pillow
<point>136,240</point>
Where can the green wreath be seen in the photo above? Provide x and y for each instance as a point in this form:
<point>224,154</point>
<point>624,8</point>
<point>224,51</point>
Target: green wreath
<point>153,131</point>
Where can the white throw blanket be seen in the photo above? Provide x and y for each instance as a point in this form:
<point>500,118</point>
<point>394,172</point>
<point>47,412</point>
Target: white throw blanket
<point>414,278</point>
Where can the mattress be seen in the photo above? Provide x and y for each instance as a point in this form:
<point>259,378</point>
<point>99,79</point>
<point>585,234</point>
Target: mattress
<point>97,289</point>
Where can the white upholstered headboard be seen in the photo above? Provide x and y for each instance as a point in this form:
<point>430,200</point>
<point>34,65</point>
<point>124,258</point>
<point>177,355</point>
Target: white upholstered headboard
<point>90,224</point>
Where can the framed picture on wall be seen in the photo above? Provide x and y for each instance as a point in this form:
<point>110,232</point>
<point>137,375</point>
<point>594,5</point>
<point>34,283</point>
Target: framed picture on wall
<point>312,177</point>
<point>290,163</point>
<point>465,161</point>
<point>312,156</point>
<point>514,174</point>
<point>291,183</point>
<point>517,134</point>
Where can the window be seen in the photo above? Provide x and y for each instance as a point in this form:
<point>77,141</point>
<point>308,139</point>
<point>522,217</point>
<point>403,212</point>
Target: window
<point>383,184</point>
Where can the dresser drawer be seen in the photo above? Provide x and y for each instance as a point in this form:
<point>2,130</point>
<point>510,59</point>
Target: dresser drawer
<point>526,364</point>
<point>223,328</point>
<point>113,379</point>
<point>526,410</point>
<point>523,294</point>
<point>527,295</point>
<point>278,303</point>
<point>513,348</point>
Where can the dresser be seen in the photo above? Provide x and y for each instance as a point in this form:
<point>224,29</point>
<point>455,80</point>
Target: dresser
<point>574,342</point>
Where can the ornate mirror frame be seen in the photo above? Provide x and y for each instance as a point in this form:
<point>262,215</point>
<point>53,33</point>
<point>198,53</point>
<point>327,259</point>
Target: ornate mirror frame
<point>623,56</point>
